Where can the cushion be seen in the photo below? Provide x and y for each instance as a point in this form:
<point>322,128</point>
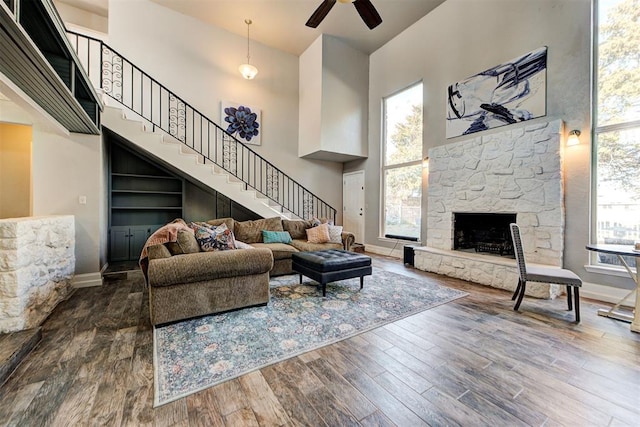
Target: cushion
<point>279,250</point>
<point>319,234</point>
<point>251,231</point>
<point>296,228</point>
<point>228,221</point>
<point>186,244</point>
<point>243,245</point>
<point>315,221</point>
<point>275,236</point>
<point>335,233</point>
<point>304,246</point>
<point>212,238</point>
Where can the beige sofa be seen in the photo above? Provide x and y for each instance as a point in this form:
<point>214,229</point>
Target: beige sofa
<point>250,232</point>
<point>185,283</point>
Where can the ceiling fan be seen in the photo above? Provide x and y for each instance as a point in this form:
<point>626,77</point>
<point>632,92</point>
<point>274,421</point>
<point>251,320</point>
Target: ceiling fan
<point>367,12</point>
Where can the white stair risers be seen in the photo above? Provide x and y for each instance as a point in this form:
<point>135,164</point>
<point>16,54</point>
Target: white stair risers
<point>172,151</point>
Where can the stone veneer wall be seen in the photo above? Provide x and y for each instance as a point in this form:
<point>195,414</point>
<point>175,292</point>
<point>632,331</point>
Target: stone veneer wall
<point>515,171</point>
<point>37,263</point>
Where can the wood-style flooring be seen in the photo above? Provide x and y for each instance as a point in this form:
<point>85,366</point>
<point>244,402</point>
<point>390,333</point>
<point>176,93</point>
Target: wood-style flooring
<point>470,362</point>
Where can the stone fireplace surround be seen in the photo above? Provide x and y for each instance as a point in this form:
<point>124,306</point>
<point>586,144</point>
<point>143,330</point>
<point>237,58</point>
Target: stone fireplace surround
<point>518,170</point>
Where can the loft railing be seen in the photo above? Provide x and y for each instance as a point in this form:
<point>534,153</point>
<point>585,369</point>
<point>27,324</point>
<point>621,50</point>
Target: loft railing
<point>130,86</point>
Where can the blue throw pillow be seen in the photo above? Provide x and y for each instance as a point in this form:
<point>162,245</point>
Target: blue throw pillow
<point>276,236</point>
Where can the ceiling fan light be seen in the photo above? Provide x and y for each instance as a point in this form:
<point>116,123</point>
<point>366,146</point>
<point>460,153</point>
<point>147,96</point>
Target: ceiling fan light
<point>248,71</point>
<point>346,1</point>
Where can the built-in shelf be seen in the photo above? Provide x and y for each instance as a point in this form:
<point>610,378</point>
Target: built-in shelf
<point>162,208</point>
<point>143,197</point>
<point>147,192</point>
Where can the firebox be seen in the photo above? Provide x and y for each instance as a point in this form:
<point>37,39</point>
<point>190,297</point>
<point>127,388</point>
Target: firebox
<point>483,232</point>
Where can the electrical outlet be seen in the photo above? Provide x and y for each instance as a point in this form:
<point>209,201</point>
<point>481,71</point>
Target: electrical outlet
<point>82,200</point>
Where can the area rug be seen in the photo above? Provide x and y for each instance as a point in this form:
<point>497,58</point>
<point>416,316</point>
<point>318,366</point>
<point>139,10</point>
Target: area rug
<point>195,354</point>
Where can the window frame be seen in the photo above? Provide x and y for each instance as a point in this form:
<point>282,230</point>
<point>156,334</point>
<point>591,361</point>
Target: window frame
<point>597,130</point>
<point>384,167</point>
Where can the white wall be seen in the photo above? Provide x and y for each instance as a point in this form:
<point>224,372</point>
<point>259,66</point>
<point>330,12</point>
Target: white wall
<point>200,62</point>
<point>463,37</point>
<point>65,168</point>
<point>333,101</point>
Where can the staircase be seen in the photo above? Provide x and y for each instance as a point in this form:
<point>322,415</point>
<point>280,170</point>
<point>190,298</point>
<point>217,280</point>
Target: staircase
<point>156,120</point>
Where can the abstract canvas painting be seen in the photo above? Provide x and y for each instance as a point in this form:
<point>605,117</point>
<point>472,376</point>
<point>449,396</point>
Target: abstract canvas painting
<point>241,121</point>
<point>508,93</point>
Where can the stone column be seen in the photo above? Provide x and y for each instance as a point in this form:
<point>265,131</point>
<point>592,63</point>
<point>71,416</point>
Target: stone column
<point>37,263</point>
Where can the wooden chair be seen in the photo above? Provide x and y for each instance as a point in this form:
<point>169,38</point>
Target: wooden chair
<point>555,275</point>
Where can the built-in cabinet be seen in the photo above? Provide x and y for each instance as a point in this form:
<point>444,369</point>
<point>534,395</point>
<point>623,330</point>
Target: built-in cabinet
<point>142,198</point>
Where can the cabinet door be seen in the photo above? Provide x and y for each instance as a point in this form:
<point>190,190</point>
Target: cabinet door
<point>119,243</point>
<point>139,235</point>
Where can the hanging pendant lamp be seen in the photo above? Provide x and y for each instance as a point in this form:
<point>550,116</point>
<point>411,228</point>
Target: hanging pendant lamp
<point>247,70</point>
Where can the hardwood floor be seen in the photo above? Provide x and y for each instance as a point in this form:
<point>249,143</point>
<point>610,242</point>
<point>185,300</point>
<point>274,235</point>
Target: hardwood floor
<point>470,362</point>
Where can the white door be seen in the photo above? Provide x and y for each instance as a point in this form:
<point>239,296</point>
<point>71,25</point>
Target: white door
<point>353,204</point>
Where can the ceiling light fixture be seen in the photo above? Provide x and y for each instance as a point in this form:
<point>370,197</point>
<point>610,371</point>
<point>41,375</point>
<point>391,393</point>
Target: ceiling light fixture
<point>247,70</point>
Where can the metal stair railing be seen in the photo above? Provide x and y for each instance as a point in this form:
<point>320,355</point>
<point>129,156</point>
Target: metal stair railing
<point>123,81</point>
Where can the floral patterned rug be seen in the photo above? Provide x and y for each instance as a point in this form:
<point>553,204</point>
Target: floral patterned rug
<point>195,354</point>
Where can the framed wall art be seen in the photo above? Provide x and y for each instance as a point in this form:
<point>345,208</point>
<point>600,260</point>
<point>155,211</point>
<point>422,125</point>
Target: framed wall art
<point>509,93</point>
<point>242,121</point>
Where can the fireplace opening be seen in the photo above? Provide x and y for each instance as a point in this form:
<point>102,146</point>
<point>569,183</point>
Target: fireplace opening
<point>483,233</point>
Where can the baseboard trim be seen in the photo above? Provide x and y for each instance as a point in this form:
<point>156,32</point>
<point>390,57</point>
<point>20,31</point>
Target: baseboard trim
<point>606,294</point>
<point>87,280</point>
<point>381,250</point>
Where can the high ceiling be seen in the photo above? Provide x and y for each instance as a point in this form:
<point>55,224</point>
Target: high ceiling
<point>280,23</point>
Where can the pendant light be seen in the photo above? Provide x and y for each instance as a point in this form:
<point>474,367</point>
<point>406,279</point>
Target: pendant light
<point>247,70</point>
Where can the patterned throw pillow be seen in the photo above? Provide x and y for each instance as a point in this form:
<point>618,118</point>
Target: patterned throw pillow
<point>212,238</point>
<point>335,233</point>
<point>319,234</point>
<point>317,221</point>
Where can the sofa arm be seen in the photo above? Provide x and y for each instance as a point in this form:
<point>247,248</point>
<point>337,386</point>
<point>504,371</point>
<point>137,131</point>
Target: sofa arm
<point>348,239</point>
<point>158,251</point>
<point>207,266</point>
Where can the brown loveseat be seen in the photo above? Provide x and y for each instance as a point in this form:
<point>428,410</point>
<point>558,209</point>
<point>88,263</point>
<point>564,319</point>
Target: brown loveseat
<point>185,282</point>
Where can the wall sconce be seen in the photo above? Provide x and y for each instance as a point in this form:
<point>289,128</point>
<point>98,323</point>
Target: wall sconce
<point>573,138</point>
<point>425,163</point>
<point>247,70</point>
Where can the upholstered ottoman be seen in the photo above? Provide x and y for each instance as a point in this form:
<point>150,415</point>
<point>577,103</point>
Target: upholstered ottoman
<point>331,265</point>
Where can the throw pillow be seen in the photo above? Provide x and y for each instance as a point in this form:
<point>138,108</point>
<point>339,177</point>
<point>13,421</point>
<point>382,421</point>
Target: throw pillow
<point>243,245</point>
<point>212,238</point>
<point>335,233</point>
<point>315,221</point>
<point>319,234</point>
<point>276,236</point>
<point>186,244</point>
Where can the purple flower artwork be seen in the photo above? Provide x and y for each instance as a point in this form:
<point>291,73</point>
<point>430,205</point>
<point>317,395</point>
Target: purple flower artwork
<point>242,121</point>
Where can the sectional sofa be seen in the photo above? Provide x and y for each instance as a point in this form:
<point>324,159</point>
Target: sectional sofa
<point>186,282</point>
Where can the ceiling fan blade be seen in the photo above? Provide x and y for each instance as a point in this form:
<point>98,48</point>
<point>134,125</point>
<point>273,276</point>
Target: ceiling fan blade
<point>368,13</point>
<point>320,13</point>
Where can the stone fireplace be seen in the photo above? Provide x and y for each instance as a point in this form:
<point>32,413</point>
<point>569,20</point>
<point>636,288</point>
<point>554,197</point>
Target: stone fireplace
<point>514,172</point>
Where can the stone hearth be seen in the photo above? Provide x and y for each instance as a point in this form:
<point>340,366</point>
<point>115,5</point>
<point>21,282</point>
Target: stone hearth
<point>515,171</point>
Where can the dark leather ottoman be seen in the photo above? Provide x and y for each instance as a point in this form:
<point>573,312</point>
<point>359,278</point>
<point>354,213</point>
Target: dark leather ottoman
<point>331,265</point>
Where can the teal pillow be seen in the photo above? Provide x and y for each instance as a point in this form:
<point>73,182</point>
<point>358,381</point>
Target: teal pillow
<point>276,236</point>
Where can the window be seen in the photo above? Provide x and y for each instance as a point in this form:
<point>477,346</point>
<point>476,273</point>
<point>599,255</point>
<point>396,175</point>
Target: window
<point>617,124</point>
<point>402,164</point>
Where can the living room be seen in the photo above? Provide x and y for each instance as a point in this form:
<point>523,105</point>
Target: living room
<point>457,39</point>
